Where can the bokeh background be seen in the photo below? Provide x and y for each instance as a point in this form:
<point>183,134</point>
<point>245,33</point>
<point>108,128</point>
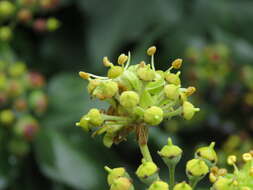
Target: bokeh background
<point>213,37</point>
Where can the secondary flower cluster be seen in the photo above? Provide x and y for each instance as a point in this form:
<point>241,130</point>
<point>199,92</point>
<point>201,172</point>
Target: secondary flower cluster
<point>138,95</point>
<point>148,172</point>
<point>24,11</point>
<point>240,179</point>
<point>22,99</point>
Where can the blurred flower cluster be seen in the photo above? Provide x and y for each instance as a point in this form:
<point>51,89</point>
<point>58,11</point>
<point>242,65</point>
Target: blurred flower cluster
<point>26,12</point>
<point>22,102</point>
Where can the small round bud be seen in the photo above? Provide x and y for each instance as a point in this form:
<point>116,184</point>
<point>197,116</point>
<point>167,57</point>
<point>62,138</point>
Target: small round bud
<point>171,154</point>
<point>208,154</point>
<point>122,183</point>
<point>52,24</point>
<point>153,115</point>
<point>176,64</point>
<point>231,160</point>
<point>146,73</point>
<point>114,72</point>
<point>196,168</point>
<point>107,62</point>
<point>38,101</point>
<point>84,75</point>
<point>39,25</point>
<point>7,117</point>
<point>95,117</point>
<point>129,99</point>
<point>173,78</point>
<point>17,69</point>
<point>106,90</point>
<point>247,157</point>
<point>84,123</point>
<point>27,127</point>
<point>24,15</point>
<point>159,185</point>
<point>114,174</point>
<point>122,59</point>
<point>147,172</point>
<point>5,33</point>
<point>189,110</point>
<point>222,184</point>
<point>171,91</point>
<point>182,186</point>
<point>7,9</point>
<point>151,50</point>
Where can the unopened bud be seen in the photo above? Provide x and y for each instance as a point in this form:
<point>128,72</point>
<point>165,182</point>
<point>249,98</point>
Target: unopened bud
<point>129,99</point>
<point>95,117</point>
<point>171,91</point>
<point>208,154</point>
<point>159,185</point>
<point>153,115</point>
<point>182,186</point>
<point>189,110</point>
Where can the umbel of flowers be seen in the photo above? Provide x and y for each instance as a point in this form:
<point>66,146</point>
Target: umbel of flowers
<point>24,12</point>
<point>240,179</point>
<point>141,97</point>
<point>22,101</point>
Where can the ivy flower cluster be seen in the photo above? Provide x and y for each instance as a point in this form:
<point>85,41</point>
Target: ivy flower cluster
<point>24,12</point>
<point>240,179</point>
<point>22,101</point>
<point>139,96</point>
<point>148,172</point>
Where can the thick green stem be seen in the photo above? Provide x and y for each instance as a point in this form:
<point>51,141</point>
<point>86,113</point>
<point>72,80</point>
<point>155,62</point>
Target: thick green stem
<point>172,175</point>
<point>145,152</point>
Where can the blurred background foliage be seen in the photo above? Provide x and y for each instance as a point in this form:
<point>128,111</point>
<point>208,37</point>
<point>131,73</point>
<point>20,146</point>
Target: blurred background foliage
<point>214,38</point>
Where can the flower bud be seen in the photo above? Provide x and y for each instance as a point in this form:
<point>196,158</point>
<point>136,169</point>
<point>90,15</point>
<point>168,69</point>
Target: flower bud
<point>147,172</point>
<point>35,80</point>
<point>171,154</point>
<point>95,117</point>
<point>208,154</point>
<point>122,183</point>
<point>7,9</point>
<point>196,168</point>
<point>146,73</point>
<point>173,78</point>
<point>27,127</point>
<point>52,24</point>
<point>159,185</point>
<point>17,69</point>
<point>115,173</point>
<point>5,33</point>
<point>122,59</point>
<point>129,99</point>
<point>84,123</point>
<point>38,101</point>
<point>40,25</point>
<point>114,72</point>
<point>171,91</point>
<point>20,104</point>
<point>182,186</point>
<point>24,15</point>
<point>106,90</point>
<point>222,184</point>
<point>189,110</point>
<point>7,117</point>
<point>153,115</point>
<point>151,50</point>
<point>176,64</point>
